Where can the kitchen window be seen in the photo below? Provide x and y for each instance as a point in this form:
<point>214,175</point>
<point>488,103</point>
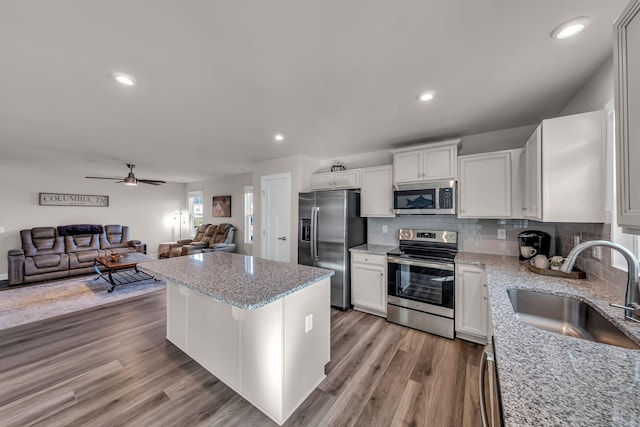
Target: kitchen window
<point>195,211</point>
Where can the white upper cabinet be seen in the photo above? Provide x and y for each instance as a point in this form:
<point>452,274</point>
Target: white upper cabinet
<point>322,181</point>
<point>488,185</point>
<point>627,116</point>
<point>532,181</point>
<point>428,162</point>
<point>376,194</point>
<point>336,180</point>
<point>564,169</point>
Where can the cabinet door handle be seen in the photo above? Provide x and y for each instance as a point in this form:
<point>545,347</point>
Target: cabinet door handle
<point>381,274</point>
<point>282,238</point>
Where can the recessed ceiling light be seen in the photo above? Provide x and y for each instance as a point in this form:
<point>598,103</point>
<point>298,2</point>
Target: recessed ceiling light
<point>279,137</point>
<point>570,28</point>
<point>124,79</point>
<point>426,96</point>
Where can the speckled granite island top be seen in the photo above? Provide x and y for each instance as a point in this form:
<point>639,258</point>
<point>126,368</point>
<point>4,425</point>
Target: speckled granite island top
<point>547,379</point>
<point>239,280</point>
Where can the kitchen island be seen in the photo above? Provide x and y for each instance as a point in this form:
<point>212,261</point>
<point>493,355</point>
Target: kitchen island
<point>547,379</point>
<point>262,327</point>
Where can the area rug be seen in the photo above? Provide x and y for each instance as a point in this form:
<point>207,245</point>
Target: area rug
<point>45,300</point>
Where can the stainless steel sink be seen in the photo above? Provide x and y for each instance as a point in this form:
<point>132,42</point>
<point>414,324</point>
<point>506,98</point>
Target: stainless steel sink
<point>566,316</point>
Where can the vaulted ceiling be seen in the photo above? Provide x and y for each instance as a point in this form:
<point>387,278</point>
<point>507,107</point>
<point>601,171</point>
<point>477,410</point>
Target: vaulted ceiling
<point>218,79</point>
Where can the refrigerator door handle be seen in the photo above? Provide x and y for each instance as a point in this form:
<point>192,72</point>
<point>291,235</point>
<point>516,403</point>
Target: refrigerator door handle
<point>314,234</point>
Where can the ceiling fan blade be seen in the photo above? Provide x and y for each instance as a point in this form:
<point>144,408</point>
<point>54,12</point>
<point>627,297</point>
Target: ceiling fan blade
<point>100,177</point>
<point>152,181</point>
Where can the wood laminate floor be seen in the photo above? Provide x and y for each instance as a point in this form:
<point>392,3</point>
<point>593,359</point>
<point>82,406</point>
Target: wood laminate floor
<point>111,366</point>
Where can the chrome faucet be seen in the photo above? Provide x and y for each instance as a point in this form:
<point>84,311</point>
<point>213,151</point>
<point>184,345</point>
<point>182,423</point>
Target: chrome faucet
<point>632,297</point>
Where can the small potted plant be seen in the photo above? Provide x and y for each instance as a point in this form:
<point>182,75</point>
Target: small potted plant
<point>556,262</point>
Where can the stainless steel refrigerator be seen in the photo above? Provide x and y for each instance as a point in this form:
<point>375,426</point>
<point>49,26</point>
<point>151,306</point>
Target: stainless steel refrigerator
<point>330,224</point>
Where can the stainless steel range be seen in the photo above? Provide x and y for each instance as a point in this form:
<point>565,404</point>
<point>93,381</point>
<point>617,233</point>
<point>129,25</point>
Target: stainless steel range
<point>422,281</point>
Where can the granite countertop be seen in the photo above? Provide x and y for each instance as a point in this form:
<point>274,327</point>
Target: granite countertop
<point>373,249</point>
<point>547,379</point>
<point>242,281</point>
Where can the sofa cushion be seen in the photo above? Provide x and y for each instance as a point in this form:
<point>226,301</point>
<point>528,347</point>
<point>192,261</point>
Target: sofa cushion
<point>114,236</point>
<point>221,233</point>
<point>83,259</point>
<point>45,264</point>
<point>44,261</point>
<point>81,242</point>
<point>41,241</point>
<point>87,256</point>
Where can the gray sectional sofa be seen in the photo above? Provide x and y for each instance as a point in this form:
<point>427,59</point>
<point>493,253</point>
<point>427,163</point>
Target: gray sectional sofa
<point>57,252</point>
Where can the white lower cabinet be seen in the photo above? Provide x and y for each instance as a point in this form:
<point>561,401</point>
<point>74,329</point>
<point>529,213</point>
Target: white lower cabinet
<point>472,304</point>
<point>369,283</point>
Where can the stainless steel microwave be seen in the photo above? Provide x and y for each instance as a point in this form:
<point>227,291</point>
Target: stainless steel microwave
<point>425,198</point>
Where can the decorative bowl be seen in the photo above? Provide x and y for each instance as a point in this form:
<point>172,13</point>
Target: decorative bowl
<point>115,257</point>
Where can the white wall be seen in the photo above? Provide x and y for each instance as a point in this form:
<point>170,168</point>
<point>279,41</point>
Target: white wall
<point>595,93</point>
<point>146,209</point>
<point>230,185</point>
<point>300,168</point>
<point>504,139</point>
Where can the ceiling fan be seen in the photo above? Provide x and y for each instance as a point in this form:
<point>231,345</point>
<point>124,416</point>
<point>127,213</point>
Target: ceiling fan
<point>131,178</point>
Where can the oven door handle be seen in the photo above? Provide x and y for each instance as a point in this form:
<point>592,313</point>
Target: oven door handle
<point>420,263</point>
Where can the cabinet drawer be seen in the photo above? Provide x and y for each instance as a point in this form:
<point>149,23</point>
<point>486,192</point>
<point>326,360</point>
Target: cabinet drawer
<point>369,258</point>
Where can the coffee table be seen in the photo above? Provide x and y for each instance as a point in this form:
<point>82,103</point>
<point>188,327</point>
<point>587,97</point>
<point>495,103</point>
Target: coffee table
<point>124,271</point>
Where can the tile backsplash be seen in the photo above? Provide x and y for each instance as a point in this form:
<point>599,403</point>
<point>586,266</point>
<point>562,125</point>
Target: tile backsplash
<point>480,235</point>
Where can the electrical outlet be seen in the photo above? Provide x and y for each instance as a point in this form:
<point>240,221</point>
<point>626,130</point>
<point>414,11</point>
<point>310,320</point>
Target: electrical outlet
<point>502,234</point>
<point>385,229</point>
<point>596,252</point>
<point>576,240</point>
<point>308,323</point>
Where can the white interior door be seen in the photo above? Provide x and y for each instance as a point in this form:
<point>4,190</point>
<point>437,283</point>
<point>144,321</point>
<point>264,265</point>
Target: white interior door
<point>275,217</point>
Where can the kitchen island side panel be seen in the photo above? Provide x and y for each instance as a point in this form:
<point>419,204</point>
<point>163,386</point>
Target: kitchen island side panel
<point>267,355</point>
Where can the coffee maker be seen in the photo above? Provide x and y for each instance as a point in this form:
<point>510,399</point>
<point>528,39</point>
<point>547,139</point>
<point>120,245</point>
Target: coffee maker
<point>538,240</point>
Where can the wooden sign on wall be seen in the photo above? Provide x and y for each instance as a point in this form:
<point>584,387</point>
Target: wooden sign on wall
<point>61,199</point>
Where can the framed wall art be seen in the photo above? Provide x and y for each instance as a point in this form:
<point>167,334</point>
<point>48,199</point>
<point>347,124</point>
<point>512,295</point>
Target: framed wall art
<point>222,206</point>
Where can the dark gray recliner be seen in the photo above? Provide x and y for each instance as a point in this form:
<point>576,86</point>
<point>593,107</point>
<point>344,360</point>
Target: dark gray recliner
<point>83,249</point>
<point>42,257</point>
<point>115,238</point>
<point>177,248</point>
<point>218,238</point>
<point>52,253</point>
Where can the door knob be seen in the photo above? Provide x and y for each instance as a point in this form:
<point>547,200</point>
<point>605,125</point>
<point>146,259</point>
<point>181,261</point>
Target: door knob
<point>282,238</point>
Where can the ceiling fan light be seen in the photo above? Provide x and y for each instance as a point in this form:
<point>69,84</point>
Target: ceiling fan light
<point>130,181</point>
